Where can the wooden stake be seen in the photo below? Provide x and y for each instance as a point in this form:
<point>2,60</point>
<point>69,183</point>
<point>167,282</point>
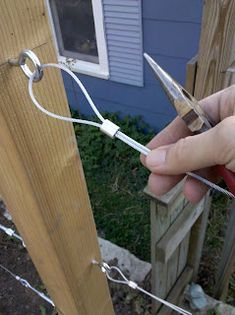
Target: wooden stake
<point>215,71</point>
<point>191,72</point>
<point>42,180</point>
<point>217,47</point>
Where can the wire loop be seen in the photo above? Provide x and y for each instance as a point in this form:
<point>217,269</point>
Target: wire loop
<point>11,233</point>
<point>64,118</point>
<point>27,285</point>
<point>105,268</point>
<point>21,62</point>
<point>111,130</point>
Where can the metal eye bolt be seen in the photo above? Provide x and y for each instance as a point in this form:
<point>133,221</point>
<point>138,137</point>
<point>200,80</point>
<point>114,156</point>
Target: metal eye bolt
<point>21,62</point>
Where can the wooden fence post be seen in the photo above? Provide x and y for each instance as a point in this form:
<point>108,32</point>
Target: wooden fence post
<point>215,71</point>
<point>217,48</point>
<point>41,176</point>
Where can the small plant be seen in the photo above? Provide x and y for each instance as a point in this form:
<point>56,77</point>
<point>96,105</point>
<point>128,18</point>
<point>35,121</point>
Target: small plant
<point>43,311</point>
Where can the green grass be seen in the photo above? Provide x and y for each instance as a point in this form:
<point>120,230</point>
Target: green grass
<point>43,311</point>
<point>214,241</point>
<point>115,179</point>
<point>216,223</point>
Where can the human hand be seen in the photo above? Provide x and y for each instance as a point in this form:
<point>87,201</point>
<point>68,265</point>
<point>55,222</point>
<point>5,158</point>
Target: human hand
<point>175,151</point>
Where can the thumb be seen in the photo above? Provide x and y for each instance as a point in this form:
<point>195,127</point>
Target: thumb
<point>214,147</point>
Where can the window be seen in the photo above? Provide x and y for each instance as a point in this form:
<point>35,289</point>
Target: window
<point>102,38</point>
<point>79,35</point>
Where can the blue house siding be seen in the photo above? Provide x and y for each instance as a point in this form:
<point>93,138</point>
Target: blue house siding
<point>171,31</point>
<point>123,28</point>
<point>173,10</point>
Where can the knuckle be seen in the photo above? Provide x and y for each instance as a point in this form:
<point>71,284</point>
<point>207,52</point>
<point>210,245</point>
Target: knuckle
<point>227,125</point>
<point>179,150</point>
<point>182,145</point>
<point>225,139</point>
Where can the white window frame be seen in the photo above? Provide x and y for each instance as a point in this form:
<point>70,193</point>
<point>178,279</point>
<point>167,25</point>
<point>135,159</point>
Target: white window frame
<point>100,70</point>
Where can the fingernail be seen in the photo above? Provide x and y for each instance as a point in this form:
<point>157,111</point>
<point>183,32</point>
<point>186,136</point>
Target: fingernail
<point>156,158</point>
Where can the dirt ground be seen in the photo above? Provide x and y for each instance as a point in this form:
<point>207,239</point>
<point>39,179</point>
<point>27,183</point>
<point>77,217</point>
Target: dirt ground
<point>14,298</point>
<point>17,300</point>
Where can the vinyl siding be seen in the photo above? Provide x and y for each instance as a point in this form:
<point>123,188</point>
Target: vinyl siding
<point>123,27</point>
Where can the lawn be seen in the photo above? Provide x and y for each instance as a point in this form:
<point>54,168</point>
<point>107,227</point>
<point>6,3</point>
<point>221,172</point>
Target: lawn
<point>116,179</point>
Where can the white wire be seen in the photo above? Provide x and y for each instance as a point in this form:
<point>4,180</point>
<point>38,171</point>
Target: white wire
<point>168,304</point>
<point>120,135</point>
<point>210,184</point>
<point>26,284</point>
<point>53,115</point>
<point>131,142</point>
<point>11,233</point>
<point>108,269</point>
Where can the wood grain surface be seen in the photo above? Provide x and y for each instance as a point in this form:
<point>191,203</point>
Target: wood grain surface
<point>217,47</point>
<point>41,175</point>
